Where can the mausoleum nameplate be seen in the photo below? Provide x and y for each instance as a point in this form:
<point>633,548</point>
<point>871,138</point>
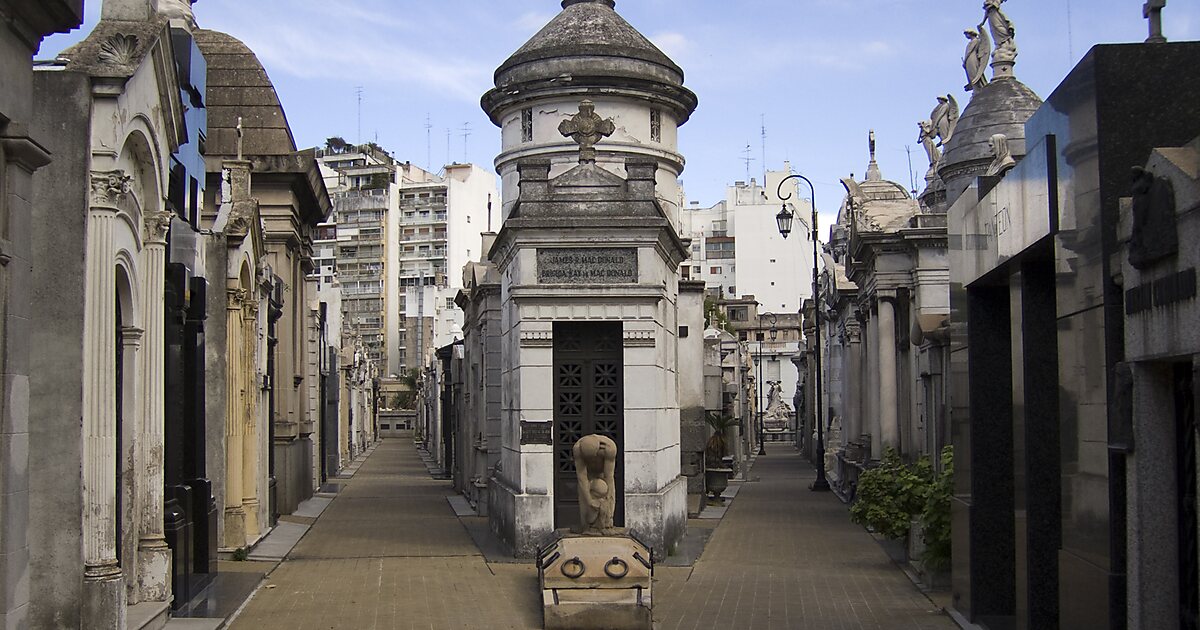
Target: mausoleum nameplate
<point>536,433</point>
<point>588,265</point>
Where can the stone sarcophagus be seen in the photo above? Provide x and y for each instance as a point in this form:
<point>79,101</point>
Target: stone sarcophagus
<point>596,582</point>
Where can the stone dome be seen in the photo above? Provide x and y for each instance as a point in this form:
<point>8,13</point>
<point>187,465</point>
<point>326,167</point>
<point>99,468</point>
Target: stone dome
<point>588,45</point>
<point>238,85</point>
<point>1002,106</point>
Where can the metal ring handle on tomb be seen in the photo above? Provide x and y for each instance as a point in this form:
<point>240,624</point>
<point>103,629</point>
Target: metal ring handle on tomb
<point>608,568</point>
<point>571,573</point>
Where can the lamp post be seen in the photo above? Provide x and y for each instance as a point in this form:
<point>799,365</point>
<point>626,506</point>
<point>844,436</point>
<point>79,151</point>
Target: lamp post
<point>762,448</point>
<point>784,222</point>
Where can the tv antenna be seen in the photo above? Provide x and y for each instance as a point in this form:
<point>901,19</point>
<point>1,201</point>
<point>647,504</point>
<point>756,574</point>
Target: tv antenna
<point>763,120</point>
<point>912,175</point>
<point>466,133</point>
<point>747,152</point>
<point>359,91</point>
<point>428,143</point>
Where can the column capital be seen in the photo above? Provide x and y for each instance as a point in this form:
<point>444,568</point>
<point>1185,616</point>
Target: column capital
<point>132,335</point>
<point>235,298</point>
<point>156,223</point>
<point>109,188</point>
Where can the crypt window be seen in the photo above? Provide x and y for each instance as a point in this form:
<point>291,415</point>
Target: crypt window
<point>527,124</point>
<point>656,125</point>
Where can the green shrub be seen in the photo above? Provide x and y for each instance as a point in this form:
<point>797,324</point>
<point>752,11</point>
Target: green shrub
<point>890,494</point>
<point>935,518</point>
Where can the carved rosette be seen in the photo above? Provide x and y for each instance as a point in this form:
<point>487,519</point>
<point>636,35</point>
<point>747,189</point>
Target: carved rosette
<point>109,188</point>
<point>157,224</point>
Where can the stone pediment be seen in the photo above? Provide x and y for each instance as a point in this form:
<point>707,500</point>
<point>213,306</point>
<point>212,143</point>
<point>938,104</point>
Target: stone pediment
<point>587,178</point>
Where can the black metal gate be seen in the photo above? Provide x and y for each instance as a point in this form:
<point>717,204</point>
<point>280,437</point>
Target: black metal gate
<point>588,398</point>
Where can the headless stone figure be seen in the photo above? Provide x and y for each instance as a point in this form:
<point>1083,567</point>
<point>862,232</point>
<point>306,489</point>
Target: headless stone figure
<point>595,469</point>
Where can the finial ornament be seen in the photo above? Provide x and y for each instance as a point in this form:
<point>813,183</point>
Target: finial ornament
<point>587,128</point>
<point>1152,11</point>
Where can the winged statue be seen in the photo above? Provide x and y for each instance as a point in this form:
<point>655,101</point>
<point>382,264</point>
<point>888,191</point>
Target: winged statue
<point>979,51</point>
<point>944,118</point>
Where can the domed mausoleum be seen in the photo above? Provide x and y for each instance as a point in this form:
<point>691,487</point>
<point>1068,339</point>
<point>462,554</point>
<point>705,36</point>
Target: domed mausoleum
<point>588,51</point>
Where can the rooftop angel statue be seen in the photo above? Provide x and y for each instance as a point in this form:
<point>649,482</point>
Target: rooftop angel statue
<point>944,119</point>
<point>979,49</point>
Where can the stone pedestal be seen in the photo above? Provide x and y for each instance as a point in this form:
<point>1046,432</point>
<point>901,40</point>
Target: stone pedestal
<point>596,582</point>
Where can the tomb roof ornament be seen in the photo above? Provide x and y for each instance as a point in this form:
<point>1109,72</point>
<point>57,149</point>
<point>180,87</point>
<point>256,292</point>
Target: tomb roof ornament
<point>1152,11</point>
<point>587,128</point>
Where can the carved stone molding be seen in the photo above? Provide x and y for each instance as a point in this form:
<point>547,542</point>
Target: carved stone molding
<point>537,339</point>
<point>157,224</point>
<point>639,339</point>
<point>109,188</point>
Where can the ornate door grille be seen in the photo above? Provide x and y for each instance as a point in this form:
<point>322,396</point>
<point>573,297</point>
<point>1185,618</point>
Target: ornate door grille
<point>588,398</point>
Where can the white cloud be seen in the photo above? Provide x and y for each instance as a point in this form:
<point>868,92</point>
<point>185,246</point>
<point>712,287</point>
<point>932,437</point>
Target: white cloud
<point>675,45</point>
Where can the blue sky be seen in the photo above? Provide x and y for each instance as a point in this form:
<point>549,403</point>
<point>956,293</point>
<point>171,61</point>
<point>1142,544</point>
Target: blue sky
<point>819,73</point>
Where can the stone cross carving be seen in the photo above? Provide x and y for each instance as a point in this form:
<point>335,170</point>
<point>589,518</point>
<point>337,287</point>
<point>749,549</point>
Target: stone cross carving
<point>1152,11</point>
<point>595,472</point>
<point>587,128</point>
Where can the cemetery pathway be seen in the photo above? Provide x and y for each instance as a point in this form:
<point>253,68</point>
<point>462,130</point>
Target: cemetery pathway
<point>390,553</point>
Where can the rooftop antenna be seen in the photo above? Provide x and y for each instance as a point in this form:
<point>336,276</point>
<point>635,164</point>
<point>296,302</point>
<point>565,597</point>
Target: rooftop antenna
<point>447,145</point>
<point>763,120</point>
<point>748,152</point>
<point>466,133</point>
<point>1070,36</point>
<point>359,91</point>
<point>912,176</point>
<point>428,143</point>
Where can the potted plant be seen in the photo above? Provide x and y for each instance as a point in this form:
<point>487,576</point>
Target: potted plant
<point>890,495</point>
<point>716,471</point>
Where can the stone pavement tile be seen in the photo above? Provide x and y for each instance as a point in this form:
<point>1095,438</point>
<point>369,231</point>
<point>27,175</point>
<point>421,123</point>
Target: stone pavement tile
<point>435,593</point>
<point>786,557</point>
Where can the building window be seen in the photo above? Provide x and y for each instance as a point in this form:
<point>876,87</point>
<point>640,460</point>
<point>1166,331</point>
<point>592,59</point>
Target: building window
<point>527,124</point>
<point>655,125</point>
<point>714,270</point>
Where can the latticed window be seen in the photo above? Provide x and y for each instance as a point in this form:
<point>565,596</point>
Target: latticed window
<point>527,124</point>
<point>656,125</point>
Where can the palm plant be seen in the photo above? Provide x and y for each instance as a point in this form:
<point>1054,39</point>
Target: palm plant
<point>717,446</point>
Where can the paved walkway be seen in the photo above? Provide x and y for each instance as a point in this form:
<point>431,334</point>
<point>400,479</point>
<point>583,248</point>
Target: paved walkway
<point>389,553</point>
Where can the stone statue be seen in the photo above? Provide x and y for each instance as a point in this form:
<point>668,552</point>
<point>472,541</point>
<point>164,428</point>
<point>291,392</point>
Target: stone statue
<point>979,48</point>
<point>1002,159</point>
<point>1003,32</point>
<point>177,9</point>
<point>595,472</point>
<point>927,140</point>
<point>944,118</point>
<point>587,128</point>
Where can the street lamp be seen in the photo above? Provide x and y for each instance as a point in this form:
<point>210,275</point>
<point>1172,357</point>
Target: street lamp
<point>784,222</point>
<point>762,448</point>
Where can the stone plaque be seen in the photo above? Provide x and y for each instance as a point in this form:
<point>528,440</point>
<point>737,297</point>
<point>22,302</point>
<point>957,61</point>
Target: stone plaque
<point>536,433</point>
<point>587,265</point>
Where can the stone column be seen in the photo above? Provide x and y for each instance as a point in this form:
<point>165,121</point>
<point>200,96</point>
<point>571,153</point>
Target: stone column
<point>250,451</point>
<point>235,515</point>
<point>133,476</point>
<point>853,424</point>
<point>102,574</point>
<point>888,413</point>
<point>154,557</point>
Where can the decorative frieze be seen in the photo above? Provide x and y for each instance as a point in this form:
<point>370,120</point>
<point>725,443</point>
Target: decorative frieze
<point>537,339</point>
<point>639,339</point>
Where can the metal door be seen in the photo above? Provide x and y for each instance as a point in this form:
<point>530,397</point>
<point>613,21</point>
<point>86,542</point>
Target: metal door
<point>588,398</point>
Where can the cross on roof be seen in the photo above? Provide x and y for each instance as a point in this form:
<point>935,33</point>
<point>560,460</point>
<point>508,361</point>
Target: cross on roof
<point>587,128</point>
<point>1152,11</point>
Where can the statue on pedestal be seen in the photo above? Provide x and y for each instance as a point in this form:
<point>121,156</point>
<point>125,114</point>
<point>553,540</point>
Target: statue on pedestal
<point>979,48</point>
<point>1003,32</point>
<point>595,472</point>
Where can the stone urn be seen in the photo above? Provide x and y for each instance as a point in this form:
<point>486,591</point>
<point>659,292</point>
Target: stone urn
<point>716,480</point>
